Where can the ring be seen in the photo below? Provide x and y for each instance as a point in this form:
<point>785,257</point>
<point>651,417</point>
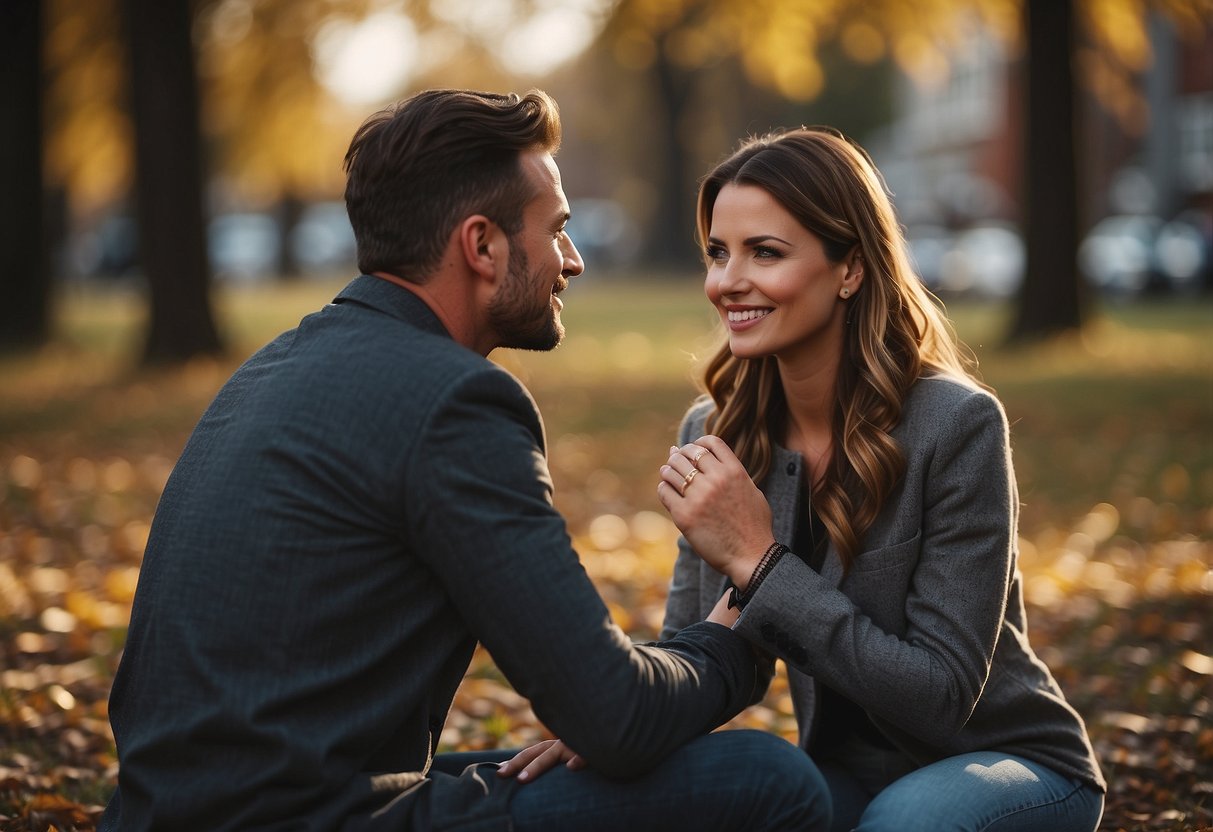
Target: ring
<point>686,481</point>
<point>697,457</point>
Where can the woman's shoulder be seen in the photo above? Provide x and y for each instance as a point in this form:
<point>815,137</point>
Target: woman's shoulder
<point>940,390</point>
<point>939,399</point>
<point>696,416</point>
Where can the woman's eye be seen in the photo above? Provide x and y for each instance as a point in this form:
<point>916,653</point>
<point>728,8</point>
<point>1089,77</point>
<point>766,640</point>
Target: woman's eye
<point>715,253</point>
<point>765,252</point>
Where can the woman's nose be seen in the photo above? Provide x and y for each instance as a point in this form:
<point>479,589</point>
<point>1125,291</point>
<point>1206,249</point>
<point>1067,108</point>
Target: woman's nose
<point>731,277</point>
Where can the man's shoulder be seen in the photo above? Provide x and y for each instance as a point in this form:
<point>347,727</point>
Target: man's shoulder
<point>400,349</point>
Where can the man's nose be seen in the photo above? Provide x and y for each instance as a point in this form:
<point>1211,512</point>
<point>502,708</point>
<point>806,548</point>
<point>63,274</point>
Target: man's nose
<point>573,264</point>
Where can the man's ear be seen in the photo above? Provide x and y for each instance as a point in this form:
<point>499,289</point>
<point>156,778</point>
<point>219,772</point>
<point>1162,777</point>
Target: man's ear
<point>483,246</point>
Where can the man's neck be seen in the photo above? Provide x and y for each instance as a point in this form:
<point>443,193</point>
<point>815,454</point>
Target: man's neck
<point>445,307</point>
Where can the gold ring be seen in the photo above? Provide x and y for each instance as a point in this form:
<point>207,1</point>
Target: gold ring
<point>686,481</point>
<point>698,456</point>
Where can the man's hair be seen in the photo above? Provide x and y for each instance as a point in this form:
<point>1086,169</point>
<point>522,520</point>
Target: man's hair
<point>416,169</point>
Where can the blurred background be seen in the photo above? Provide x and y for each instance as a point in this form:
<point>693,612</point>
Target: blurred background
<point>1073,145</point>
<point>171,199</point>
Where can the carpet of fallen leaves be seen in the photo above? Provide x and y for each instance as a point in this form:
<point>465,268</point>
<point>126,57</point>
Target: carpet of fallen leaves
<point>1119,582</point>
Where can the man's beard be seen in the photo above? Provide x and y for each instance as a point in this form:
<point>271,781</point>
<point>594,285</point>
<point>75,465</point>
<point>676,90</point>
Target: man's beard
<point>519,320</point>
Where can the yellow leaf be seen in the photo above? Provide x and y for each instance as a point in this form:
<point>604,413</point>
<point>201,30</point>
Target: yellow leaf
<point>1197,662</point>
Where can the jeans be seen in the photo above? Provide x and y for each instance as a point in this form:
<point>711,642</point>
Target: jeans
<point>729,780</point>
<point>986,791</point>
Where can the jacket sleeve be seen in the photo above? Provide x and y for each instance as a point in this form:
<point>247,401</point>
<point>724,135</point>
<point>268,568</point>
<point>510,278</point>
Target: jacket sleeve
<point>481,517</point>
<point>949,583</point>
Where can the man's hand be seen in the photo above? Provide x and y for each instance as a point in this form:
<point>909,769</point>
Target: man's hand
<point>540,757</point>
<point>723,614</point>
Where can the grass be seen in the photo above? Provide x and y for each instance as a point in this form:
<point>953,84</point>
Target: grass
<point>1111,433</point>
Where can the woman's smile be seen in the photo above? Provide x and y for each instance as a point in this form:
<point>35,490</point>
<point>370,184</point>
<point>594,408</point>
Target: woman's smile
<point>740,319</point>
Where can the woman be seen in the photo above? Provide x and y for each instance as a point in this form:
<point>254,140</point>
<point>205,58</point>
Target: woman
<point>847,504</point>
<point>877,555</point>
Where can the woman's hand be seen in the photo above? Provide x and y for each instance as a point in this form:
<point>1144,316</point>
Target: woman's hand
<point>531,762</point>
<point>717,507</point>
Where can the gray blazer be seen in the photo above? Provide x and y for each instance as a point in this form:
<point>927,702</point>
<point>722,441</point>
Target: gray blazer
<point>363,502</point>
<point>927,632</point>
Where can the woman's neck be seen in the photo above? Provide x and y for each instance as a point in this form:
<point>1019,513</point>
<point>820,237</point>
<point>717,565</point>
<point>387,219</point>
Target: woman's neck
<point>810,393</point>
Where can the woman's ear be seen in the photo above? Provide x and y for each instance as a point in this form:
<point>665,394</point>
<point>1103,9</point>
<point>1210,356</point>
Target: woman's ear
<point>854,276</point>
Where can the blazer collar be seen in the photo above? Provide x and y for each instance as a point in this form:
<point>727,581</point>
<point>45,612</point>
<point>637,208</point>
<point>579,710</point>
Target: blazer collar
<point>383,296</point>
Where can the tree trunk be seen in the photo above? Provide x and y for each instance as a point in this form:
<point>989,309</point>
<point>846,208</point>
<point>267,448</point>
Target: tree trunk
<point>672,240</point>
<point>169,180</point>
<point>24,265</point>
<point>1053,298</point>
<point>290,214</point>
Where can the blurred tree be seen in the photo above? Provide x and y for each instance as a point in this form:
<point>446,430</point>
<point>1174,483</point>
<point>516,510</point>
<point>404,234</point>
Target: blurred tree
<point>24,269</point>
<point>88,131</point>
<point>778,43</point>
<point>169,180</point>
<point>1051,299</point>
<point>277,136</point>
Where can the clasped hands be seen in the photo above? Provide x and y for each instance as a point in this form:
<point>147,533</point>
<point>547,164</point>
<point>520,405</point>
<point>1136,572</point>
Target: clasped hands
<point>724,518</point>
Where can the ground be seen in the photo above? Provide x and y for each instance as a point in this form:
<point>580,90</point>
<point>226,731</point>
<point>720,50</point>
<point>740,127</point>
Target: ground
<point>1112,451</point>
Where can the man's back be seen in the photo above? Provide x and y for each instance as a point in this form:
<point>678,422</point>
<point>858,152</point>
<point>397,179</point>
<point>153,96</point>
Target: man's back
<point>282,553</point>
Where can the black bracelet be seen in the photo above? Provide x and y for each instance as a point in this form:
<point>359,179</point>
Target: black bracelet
<point>737,598</point>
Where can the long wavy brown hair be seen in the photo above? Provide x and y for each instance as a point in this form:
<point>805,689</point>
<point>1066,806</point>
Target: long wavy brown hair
<point>895,333</point>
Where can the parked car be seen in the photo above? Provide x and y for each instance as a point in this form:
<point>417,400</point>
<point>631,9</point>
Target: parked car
<point>322,242</point>
<point>928,247</point>
<point>603,232</point>
<point>1117,254</point>
<point>108,249</point>
<point>243,246</point>
<point>1183,251</point>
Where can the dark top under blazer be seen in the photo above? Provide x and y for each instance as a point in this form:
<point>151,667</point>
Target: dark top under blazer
<point>927,632</point>
<point>364,501</point>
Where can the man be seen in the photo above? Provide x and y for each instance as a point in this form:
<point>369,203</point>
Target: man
<point>366,498</point>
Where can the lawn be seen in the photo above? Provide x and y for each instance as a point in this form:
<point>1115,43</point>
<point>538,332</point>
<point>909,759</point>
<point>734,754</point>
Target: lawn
<point>1111,432</point>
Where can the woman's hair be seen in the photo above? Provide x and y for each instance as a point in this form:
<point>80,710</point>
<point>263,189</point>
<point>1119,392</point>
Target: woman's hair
<point>895,333</point>
<point>419,167</point>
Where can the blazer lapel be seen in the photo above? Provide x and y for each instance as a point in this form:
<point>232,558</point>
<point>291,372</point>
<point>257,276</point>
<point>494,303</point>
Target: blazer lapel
<point>786,492</point>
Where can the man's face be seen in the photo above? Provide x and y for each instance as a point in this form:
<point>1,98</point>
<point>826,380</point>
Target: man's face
<point>525,311</point>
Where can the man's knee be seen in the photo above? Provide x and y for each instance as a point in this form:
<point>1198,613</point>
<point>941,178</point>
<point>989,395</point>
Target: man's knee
<point>788,782</point>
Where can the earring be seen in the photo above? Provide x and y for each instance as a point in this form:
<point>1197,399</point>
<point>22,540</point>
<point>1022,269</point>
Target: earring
<point>846,293</point>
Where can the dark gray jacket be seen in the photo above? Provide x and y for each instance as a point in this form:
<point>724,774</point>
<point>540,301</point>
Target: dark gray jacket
<point>927,632</point>
<point>364,501</point>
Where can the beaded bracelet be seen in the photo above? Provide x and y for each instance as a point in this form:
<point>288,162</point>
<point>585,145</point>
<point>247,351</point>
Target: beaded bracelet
<point>737,598</point>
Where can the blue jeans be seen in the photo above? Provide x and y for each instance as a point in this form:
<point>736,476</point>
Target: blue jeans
<point>729,780</point>
<point>986,791</point>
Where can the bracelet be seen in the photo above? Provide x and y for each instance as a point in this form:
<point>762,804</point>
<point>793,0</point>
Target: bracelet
<point>737,598</point>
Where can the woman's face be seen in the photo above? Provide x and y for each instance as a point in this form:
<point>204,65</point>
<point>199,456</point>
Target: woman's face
<point>770,280</point>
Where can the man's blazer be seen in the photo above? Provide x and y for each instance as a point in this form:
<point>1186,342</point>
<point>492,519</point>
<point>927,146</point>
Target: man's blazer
<point>363,502</point>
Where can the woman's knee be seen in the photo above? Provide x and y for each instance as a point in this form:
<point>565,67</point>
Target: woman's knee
<point>982,790</point>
